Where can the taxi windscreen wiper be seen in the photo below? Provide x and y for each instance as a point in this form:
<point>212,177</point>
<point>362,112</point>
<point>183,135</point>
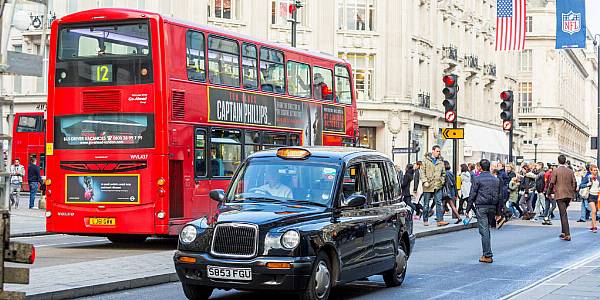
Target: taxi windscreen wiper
<point>306,202</point>
<point>259,199</point>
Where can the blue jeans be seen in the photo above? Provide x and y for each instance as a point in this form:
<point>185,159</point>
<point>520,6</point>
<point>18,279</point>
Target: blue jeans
<point>483,216</point>
<point>584,209</point>
<point>439,209</point>
<point>33,187</point>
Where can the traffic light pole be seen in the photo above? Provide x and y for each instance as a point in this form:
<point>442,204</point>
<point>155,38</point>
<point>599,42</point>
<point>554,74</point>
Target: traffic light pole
<point>455,147</point>
<point>510,146</point>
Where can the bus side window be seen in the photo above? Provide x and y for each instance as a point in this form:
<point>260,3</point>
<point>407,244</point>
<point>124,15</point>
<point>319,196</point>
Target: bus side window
<point>249,66</point>
<point>294,139</point>
<point>343,93</point>
<point>194,42</point>
<point>298,79</point>
<point>200,153</point>
<point>272,71</point>
<point>223,61</point>
<point>225,151</point>
<point>322,83</point>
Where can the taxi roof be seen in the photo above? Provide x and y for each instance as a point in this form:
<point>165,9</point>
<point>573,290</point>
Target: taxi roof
<point>342,153</point>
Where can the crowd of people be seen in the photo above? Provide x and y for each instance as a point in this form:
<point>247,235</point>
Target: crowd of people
<point>496,193</point>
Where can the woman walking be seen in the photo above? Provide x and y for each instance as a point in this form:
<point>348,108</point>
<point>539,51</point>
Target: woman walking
<point>407,179</point>
<point>465,187</point>
<point>449,192</point>
<point>594,186</point>
<point>513,196</point>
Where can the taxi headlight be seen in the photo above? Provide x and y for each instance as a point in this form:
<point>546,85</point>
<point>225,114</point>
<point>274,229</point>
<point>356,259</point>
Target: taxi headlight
<point>290,239</point>
<point>188,234</point>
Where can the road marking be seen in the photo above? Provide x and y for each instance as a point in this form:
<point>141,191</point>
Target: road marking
<point>72,243</point>
<point>574,266</point>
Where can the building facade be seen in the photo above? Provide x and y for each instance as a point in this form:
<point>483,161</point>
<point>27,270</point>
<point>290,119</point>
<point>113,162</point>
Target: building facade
<point>399,51</point>
<point>557,91</point>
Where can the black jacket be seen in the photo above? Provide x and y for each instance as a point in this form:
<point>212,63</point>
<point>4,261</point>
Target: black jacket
<point>33,173</point>
<point>486,191</point>
<point>406,179</point>
<point>416,178</point>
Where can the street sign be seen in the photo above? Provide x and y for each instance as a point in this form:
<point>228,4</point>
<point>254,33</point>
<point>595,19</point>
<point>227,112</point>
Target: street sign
<point>507,125</point>
<point>404,150</point>
<point>450,116</point>
<point>453,133</point>
<point>519,159</point>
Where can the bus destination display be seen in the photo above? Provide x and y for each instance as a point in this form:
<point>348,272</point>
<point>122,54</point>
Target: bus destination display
<point>102,73</point>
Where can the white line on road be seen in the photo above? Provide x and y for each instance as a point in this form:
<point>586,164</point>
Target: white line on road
<point>72,243</point>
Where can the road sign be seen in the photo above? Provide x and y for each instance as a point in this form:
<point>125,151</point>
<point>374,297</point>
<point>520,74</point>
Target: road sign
<point>519,159</point>
<point>453,133</point>
<point>404,150</point>
<point>450,116</point>
<point>507,125</point>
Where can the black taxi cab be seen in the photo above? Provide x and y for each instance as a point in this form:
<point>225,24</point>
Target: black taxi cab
<point>301,220</point>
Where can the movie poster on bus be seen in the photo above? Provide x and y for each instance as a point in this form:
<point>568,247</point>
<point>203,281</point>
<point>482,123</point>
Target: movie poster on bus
<point>289,113</point>
<point>313,122</point>
<point>241,108</point>
<point>334,118</point>
<point>91,188</point>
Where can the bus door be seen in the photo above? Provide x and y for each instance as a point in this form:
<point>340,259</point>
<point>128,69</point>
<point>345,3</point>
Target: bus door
<point>181,183</point>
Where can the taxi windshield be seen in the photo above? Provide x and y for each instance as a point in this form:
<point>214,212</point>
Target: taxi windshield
<point>297,182</point>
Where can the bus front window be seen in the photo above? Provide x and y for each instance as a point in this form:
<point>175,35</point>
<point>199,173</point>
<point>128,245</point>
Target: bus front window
<point>106,54</point>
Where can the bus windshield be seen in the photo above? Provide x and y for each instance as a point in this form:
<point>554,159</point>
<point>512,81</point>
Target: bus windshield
<point>115,54</point>
<point>105,131</point>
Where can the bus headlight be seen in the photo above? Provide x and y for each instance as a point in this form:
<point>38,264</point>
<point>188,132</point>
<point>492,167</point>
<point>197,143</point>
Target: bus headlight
<point>188,234</point>
<point>290,239</point>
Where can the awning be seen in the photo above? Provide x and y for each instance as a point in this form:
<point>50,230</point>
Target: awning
<point>484,139</point>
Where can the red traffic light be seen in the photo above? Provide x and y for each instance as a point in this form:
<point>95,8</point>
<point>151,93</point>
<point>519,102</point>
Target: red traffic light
<point>506,95</point>
<point>449,79</point>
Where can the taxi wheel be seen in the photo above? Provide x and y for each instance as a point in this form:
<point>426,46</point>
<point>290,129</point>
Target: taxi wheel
<point>196,292</point>
<point>395,276</point>
<point>321,281</point>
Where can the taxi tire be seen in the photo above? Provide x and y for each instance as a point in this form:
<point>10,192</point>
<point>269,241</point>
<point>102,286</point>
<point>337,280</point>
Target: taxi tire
<point>391,277</point>
<point>310,292</point>
<point>196,292</point>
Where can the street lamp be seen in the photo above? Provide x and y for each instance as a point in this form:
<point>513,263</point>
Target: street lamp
<point>597,45</point>
<point>535,144</point>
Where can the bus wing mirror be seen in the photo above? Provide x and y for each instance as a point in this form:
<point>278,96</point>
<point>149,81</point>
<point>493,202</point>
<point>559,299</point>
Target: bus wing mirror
<point>217,195</point>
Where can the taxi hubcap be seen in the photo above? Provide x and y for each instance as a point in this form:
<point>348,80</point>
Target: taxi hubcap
<point>323,279</point>
<point>400,262</point>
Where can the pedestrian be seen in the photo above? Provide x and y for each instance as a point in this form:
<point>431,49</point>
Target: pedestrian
<point>407,179</point>
<point>432,176</point>
<point>547,177</point>
<point>540,185</point>
<point>33,178</point>
<point>527,186</point>
<point>563,186</point>
<point>449,192</point>
<point>593,187</point>
<point>584,192</point>
<point>417,188</point>
<point>465,187</point>
<point>17,171</point>
<point>485,200</point>
<point>513,197</point>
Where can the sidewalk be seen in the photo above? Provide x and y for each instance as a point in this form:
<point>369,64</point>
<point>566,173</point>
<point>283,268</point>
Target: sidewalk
<point>25,221</point>
<point>114,274</point>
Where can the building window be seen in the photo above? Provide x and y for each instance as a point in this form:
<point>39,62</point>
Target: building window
<point>363,66</point>
<point>525,61</point>
<point>280,12</point>
<point>525,94</point>
<point>224,9</point>
<point>367,137</point>
<point>529,24</point>
<point>17,79</point>
<point>71,6</point>
<point>356,15</point>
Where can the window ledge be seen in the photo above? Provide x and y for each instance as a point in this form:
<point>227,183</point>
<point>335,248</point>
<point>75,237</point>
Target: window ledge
<point>288,28</point>
<point>226,21</point>
<point>358,32</point>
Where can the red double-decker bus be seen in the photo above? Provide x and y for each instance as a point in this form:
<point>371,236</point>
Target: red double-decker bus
<point>29,133</point>
<point>147,114</point>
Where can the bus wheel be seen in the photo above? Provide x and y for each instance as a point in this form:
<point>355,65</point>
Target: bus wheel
<point>127,239</point>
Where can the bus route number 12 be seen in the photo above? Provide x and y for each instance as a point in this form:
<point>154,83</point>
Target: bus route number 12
<point>103,73</point>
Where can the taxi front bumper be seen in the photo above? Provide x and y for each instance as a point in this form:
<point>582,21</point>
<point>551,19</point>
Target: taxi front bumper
<point>292,279</point>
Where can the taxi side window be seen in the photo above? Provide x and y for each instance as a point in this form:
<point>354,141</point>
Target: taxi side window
<point>375,182</point>
<point>352,183</point>
<point>395,185</point>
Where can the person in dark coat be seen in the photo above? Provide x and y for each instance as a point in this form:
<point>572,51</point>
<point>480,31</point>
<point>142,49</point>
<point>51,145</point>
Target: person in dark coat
<point>406,193</point>
<point>34,178</point>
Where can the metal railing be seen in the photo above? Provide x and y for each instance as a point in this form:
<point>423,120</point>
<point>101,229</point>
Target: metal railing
<point>489,69</point>
<point>450,52</point>
<point>424,99</point>
<point>472,61</point>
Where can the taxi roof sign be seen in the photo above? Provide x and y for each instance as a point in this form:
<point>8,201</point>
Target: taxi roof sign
<point>293,153</point>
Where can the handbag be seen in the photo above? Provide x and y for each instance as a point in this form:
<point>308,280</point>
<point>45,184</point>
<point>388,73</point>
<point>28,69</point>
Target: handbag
<point>585,192</point>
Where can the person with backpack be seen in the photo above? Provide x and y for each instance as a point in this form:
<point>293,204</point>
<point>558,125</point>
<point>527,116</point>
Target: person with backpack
<point>540,184</point>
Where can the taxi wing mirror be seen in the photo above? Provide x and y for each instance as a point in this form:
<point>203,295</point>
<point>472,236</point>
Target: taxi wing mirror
<point>355,200</point>
<point>217,195</point>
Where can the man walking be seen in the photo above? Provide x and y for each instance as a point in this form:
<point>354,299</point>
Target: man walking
<point>34,178</point>
<point>563,186</point>
<point>540,184</point>
<point>17,171</point>
<point>485,196</point>
<point>433,175</point>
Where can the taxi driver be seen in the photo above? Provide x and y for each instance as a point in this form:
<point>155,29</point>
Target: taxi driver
<point>273,187</point>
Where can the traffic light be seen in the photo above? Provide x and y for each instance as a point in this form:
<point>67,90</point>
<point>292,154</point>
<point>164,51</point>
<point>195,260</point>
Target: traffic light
<point>507,109</point>
<point>450,92</point>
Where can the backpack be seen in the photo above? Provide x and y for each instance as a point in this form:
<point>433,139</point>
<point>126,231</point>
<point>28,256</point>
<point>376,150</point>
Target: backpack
<point>540,183</point>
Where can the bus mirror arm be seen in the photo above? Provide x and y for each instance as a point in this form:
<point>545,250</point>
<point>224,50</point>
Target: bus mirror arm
<point>217,195</point>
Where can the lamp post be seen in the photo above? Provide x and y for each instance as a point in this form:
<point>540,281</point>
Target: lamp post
<point>535,144</point>
<point>597,45</point>
<point>294,10</point>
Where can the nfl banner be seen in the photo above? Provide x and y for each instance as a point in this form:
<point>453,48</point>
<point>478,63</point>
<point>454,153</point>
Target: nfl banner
<point>570,24</point>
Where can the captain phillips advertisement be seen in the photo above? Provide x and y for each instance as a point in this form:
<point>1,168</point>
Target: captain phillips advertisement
<point>92,188</point>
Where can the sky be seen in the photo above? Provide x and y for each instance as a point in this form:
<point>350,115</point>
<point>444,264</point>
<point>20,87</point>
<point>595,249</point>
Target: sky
<point>592,15</point>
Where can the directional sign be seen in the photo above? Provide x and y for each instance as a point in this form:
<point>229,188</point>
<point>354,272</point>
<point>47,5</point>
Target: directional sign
<point>450,116</point>
<point>404,150</point>
<point>453,133</point>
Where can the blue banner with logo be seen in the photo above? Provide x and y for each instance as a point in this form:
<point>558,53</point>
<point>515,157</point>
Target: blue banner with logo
<point>570,24</point>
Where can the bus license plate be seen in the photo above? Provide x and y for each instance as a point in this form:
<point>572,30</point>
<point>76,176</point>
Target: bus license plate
<point>240,274</point>
<point>103,221</point>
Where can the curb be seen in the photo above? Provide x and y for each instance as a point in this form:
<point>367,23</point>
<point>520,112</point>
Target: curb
<point>128,284</point>
<point>29,234</point>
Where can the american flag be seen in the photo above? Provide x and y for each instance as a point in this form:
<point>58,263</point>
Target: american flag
<point>510,25</point>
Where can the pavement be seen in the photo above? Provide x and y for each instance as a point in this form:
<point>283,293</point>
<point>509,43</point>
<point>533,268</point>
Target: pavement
<point>64,271</point>
<point>25,221</point>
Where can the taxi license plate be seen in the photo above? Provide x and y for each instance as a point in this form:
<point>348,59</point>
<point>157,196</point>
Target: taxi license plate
<point>240,274</point>
<point>103,221</point>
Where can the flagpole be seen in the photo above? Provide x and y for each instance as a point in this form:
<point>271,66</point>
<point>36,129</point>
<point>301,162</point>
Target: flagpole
<point>597,45</point>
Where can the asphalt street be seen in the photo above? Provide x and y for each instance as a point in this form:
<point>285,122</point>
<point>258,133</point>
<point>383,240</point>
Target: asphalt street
<point>446,267</point>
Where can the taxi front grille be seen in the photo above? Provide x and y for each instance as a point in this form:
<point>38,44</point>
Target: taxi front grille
<point>235,240</point>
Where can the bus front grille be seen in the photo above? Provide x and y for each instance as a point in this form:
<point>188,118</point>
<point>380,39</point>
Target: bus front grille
<point>235,240</point>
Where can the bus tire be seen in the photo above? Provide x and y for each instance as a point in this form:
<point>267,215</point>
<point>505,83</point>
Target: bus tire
<point>127,239</point>
<point>196,292</point>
